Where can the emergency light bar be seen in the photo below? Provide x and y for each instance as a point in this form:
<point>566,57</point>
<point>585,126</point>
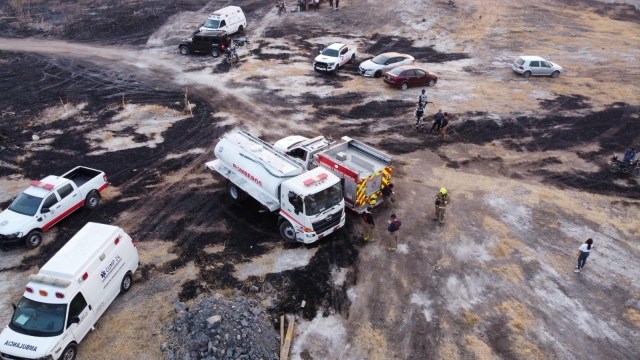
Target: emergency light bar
<point>40,184</point>
<point>49,280</point>
<point>319,177</point>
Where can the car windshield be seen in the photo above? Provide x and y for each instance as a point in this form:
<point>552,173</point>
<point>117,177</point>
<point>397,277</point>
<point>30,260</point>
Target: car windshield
<point>519,61</point>
<point>330,52</point>
<point>211,23</point>
<point>323,200</point>
<point>38,319</point>
<point>380,59</point>
<point>396,71</point>
<point>26,204</point>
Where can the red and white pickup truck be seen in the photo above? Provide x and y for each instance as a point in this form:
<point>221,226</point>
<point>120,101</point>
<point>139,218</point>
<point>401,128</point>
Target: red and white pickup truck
<point>48,201</point>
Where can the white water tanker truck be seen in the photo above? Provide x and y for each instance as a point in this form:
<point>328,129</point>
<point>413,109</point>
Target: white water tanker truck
<point>310,203</point>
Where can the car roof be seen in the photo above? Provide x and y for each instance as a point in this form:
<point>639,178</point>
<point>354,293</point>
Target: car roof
<point>393,54</point>
<point>410,67</point>
<point>531,58</point>
<point>336,46</point>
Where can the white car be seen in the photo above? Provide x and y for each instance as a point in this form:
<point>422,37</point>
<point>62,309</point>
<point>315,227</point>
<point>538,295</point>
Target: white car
<point>536,66</point>
<point>384,62</point>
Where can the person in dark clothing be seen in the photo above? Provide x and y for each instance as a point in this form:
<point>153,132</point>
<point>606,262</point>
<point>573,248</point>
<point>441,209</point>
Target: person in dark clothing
<point>438,121</point>
<point>443,126</point>
<point>337,3</point>
<point>394,232</point>
<point>387,194</point>
<point>368,225</point>
<point>331,4</point>
<point>317,4</point>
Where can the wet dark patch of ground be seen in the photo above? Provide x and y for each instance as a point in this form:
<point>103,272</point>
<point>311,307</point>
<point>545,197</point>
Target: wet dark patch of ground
<point>566,102</point>
<point>384,43</point>
<point>615,11</point>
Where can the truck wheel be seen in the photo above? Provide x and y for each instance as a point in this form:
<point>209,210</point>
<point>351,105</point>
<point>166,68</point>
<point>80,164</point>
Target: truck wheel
<point>236,193</point>
<point>335,72</point>
<point>69,352</point>
<point>287,231</point>
<point>33,239</point>
<point>184,50</point>
<point>353,59</point>
<point>127,281</point>
<point>215,52</point>
<point>240,29</point>
<point>92,200</point>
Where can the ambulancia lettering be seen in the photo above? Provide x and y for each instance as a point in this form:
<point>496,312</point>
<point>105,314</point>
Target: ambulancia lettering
<point>21,346</point>
<point>245,173</point>
<point>104,274</point>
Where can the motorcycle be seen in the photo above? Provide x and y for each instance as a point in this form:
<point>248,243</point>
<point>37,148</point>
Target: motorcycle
<point>240,43</point>
<point>616,166</point>
<point>281,9</point>
<point>231,56</point>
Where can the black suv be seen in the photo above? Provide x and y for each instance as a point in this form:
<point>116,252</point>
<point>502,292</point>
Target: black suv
<point>210,42</point>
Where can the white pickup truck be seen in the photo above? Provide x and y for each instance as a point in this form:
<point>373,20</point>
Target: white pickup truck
<point>48,201</point>
<point>334,56</point>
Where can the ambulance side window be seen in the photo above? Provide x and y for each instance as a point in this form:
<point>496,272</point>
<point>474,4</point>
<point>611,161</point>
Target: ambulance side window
<point>222,24</point>
<point>75,308</point>
<point>49,201</point>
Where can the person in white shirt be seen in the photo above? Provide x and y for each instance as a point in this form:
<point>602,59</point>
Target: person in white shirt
<point>583,253</point>
<point>422,99</point>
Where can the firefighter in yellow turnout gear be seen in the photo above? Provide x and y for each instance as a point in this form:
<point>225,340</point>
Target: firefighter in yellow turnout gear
<point>442,200</point>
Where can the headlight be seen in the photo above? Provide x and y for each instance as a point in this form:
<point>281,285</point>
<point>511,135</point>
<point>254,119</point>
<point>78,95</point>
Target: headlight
<point>310,235</point>
<point>331,64</point>
<point>14,235</point>
<point>48,357</point>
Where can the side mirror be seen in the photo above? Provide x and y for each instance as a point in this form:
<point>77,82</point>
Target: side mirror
<point>320,52</point>
<point>14,306</point>
<point>74,320</point>
<point>44,210</point>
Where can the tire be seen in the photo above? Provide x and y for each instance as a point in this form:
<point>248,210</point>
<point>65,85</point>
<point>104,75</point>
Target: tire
<point>614,167</point>
<point>240,29</point>
<point>235,192</point>
<point>92,200</point>
<point>184,50</point>
<point>335,72</point>
<point>69,353</point>
<point>404,86</point>
<point>526,74</point>
<point>431,83</point>
<point>287,231</point>
<point>127,282</point>
<point>249,46</point>
<point>215,52</point>
<point>555,74</point>
<point>33,239</point>
<point>377,74</point>
<point>353,59</point>
<point>636,172</point>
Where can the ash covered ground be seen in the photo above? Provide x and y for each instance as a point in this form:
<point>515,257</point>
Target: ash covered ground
<point>525,161</point>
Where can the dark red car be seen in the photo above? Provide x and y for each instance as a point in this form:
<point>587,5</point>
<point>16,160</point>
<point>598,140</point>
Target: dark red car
<point>409,75</point>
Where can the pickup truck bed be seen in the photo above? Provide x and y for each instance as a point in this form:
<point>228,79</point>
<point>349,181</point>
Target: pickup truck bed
<point>81,175</point>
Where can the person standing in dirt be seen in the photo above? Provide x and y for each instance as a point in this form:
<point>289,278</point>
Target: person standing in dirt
<point>394,232</point>
<point>583,253</point>
<point>307,7</point>
<point>337,4</point>
<point>438,121</point>
<point>317,4</point>
<point>331,4</point>
<point>368,225</point>
<point>442,200</point>
<point>419,115</point>
<point>387,194</point>
<point>422,99</point>
<point>443,126</point>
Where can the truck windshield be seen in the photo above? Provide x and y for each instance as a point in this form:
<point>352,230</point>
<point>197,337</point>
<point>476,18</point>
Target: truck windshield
<point>380,59</point>
<point>330,53</point>
<point>26,204</point>
<point>38,319</point>
<point>323,200</point>
<point>213,24</point>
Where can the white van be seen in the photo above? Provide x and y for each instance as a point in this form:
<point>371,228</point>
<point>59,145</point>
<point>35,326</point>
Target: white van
<point>230,19</point>
<point>69,294</point>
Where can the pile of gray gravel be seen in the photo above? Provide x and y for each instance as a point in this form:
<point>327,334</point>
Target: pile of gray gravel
<point>216,329</point>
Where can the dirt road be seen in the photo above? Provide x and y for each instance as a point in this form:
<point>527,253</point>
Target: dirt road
<point>524,163</point>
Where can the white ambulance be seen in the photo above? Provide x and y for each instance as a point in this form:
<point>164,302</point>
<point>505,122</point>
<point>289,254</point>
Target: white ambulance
<point>69,294</point>
<point>230,19</point>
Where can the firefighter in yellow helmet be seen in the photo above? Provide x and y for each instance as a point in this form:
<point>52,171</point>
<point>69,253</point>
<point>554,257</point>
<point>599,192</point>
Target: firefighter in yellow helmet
<point>442,200</point>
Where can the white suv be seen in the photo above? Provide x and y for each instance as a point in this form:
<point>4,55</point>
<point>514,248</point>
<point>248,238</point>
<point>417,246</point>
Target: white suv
<point>537,66</point>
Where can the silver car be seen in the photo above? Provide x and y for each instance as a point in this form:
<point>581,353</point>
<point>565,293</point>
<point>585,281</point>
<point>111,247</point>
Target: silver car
<point>537,66</point>
<point>384,62</point>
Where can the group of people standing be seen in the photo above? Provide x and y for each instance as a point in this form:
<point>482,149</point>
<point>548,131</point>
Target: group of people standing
<point>393,229</point>
<point>440,121</point>
<point>303,5</point>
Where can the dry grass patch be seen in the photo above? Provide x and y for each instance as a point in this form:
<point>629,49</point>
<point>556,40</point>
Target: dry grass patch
<point>511,272</point>
<point>470,318</point>
<point>632,316</point>
<point>479,348</point>
<point>522,318</point>
<point>371,342</point>
<point>449,352</point>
